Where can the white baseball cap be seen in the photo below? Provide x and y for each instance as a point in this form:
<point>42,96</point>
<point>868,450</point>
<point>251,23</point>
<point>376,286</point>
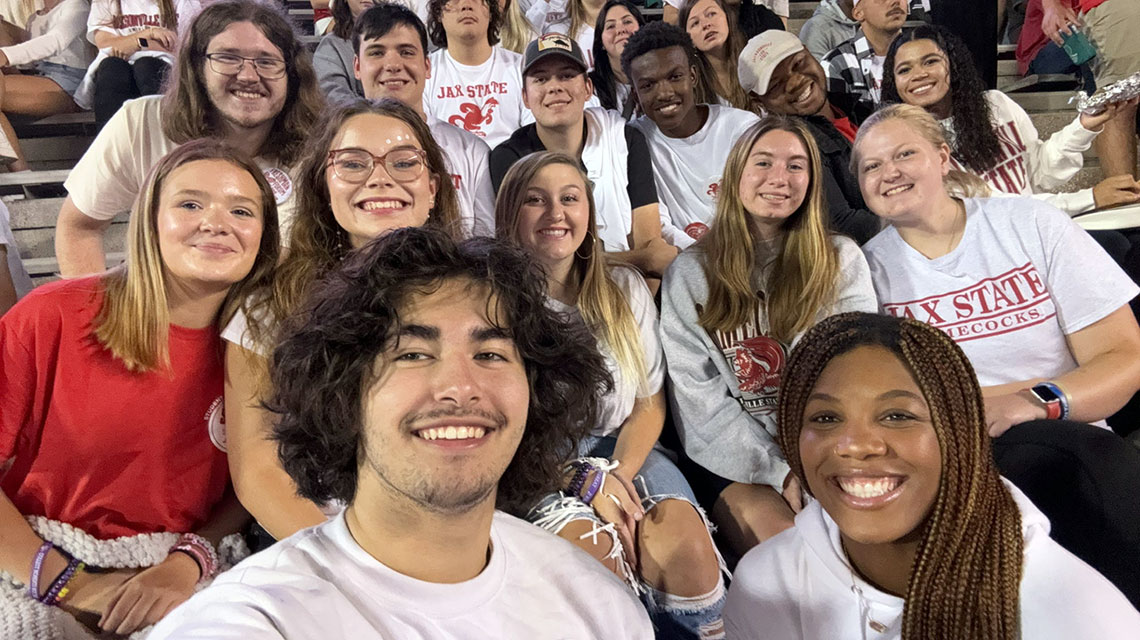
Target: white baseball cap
<point>761,56</point>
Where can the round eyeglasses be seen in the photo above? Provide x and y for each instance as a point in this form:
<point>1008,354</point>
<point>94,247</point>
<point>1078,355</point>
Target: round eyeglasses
<point>355,165</point>
<point>229,64</point>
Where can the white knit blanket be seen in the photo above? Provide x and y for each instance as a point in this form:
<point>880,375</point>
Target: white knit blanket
<point>24,618</point>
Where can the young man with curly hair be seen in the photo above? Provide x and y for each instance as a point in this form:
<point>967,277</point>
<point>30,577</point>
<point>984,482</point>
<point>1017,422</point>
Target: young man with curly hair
<point>409,391</point>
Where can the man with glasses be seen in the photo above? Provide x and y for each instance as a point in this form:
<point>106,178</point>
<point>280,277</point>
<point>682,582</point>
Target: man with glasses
<point>392,62</point>
<point>475,83</point>
<point>242,76</point>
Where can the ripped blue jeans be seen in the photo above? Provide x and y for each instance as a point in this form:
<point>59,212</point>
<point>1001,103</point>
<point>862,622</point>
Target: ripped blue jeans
<point>659,479</point>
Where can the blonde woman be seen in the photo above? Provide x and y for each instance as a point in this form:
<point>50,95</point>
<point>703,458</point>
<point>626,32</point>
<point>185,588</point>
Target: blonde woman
<point>372,167</point>
<point>625,503</point>
<point>111,408</point>
<point>731,308</point>
<point>515,32</point>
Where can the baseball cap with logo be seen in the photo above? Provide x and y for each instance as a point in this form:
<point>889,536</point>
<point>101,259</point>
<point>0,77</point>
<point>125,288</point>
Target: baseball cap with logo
<point>553,44</point>
<point>762,55</point>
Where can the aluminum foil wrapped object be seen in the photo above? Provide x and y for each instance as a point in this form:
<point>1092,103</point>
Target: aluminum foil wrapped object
<point>1125,89</point>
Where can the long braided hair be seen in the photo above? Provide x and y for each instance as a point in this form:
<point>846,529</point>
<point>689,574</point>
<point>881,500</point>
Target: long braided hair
<point>967,571</point>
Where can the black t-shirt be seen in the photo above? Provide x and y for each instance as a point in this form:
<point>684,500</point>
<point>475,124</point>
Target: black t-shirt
<point>525,141</point>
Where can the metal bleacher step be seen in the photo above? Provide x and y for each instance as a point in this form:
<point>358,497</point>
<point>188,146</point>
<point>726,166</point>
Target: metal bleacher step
<point>31,178</point>
<point>33,226</point>
<point>1042,101</point>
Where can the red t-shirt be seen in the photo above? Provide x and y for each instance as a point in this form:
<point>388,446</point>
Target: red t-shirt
<point>845,127</point>
<point>112,452</point>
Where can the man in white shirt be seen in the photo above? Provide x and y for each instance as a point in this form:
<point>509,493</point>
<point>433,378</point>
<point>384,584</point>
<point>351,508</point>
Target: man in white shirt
<point>614,154</point>
<point>426,426</point>
<point>392,62</point>
<point>475,84</point>
<point>689,142</point>
<point>237,64</point>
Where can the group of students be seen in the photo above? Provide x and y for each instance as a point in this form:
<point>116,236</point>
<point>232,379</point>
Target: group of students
<point>391,345</point>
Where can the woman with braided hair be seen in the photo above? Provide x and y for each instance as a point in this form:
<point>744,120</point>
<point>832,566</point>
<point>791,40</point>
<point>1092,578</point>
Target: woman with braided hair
<point>913,534</point>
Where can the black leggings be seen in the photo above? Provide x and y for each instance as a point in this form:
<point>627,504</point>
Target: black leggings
<point>1085,480</point>
<point>117,81</point>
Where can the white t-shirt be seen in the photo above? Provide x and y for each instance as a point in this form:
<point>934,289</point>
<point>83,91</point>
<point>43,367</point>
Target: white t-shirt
<point>1027,166</point>
<point>687,171</point>
<point>617,405</point>
<point>1022,278</point>
<point>484,99</point>
<point>320,584</point>
<point>553,16</point>
<point>133,16</point>
<point>469,160</point>
<point>778,7</point>
<point>110,175</point>
<point>56,37</point>
<point>606,155</point>
<point>798,586</point>
<point>20,277</point>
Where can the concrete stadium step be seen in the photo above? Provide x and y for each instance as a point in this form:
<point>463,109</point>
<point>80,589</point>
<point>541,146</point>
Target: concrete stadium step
<point>29,178</point>
<point>33,226</point>
<point>1044,101</point>
<point>802,10</point>
<point>45,270</point>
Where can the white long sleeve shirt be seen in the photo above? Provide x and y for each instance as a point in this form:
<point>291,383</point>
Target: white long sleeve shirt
<point>56,36</point>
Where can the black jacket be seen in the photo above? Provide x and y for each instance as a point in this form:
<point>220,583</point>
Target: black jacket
<point>848,212</point>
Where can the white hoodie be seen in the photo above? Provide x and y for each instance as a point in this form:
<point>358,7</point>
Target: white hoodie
<point>799,585</point>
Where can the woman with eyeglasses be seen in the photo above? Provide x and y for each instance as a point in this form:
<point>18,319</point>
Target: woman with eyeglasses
<point>136,41</point>
<point>371,168</point>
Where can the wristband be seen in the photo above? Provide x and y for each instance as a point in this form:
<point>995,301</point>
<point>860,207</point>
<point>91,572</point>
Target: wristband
<point>582,472</point>
<point>201,551</point>
<point>37,569</point>
<point>58,588</point>
<point>595,485</point>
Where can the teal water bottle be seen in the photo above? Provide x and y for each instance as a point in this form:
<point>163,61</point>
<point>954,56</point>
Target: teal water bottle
<point>1078,47</point>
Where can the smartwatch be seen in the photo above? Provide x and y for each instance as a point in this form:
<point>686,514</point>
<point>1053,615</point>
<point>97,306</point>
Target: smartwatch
<point>1048,394</point>
<point>144,43</point>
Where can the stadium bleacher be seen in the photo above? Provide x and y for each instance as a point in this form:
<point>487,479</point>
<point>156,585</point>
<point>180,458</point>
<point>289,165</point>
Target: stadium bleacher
<point>54,144</point>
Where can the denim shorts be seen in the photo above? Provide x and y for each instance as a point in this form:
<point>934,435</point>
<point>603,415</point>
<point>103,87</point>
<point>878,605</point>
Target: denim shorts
<point>68,78</point>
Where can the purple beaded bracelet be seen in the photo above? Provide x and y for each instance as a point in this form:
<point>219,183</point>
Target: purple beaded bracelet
<point>37,569</point>
<point>583,471</point>
<point>53,595</point>
<point>595,485</point>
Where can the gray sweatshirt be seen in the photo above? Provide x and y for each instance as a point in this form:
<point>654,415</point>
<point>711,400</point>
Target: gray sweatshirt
<point>333,63</point>
<point>722,388</point>
<point>827,28</point>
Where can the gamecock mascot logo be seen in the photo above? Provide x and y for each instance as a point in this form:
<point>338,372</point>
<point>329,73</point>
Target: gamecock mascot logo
<point>759,363</point>
<point>475,116</point>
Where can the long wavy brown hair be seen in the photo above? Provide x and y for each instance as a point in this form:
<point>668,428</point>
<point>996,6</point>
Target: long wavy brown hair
<point>134,322</point>
<point>603,306</point>
<point>734,93</point>
<point>317,243</point>
<point>967,571</point>
<point>187,112</point>
<point>805,277</point>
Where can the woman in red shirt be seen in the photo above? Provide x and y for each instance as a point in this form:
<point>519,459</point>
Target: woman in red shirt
<point>112,443</point>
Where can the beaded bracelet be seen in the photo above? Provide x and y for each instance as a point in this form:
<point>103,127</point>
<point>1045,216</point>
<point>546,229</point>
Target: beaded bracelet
<point>37,569</point>
<point>599,478</point>
<point>58,588</point>
<point>201,551</point>
<point>583,471</point>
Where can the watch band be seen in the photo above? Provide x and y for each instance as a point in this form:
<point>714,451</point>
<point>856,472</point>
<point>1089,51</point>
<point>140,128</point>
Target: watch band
<point>1048,395</point>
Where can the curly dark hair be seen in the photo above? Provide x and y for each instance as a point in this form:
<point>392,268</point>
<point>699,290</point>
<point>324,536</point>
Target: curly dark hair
<point>187,111</point>
<point>435,22</point>
<point>326,357</point>
<point>605,84</point>
<point>975,144</point>
<point>662,35</point>
<point>378,20</point>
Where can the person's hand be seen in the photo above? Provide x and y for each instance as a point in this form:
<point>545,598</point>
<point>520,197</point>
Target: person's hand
<point>1006,410</point>
<point>792,493</point>
<point>1121,189</point>
<point>1096,122</point>
<point>3,59</point>
<point>660,255</point>
<point>161,39</point>
<point>89,594</point>
<point>1057,18</point>
<point>614,505</point>
<point>151,594</point>
<point>123,51</point>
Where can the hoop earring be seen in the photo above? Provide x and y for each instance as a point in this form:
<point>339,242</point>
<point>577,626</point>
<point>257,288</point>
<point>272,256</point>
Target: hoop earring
<point>591,250</point>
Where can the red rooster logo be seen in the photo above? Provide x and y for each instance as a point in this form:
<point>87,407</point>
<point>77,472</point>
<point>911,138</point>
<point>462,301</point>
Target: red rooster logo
<point>475,116</point>
<point>759,362</point>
